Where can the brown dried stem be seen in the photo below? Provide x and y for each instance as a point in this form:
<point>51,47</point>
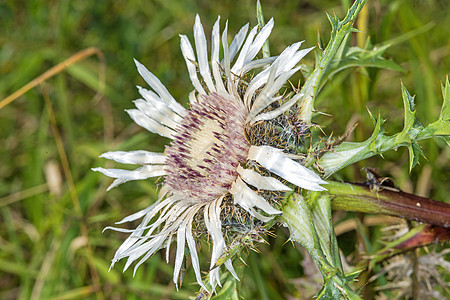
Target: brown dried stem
<point>388,201</point>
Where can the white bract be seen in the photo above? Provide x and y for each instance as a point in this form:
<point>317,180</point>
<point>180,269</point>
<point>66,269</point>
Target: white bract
<point>209,147</point>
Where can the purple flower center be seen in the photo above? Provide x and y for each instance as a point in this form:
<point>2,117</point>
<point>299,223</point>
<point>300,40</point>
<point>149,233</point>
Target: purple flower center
<point>209,145</point>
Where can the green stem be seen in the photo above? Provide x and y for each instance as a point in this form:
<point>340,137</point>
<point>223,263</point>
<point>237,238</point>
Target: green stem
<point>340,29</point>
<point>259,15</point>
<point>297,217</point>
<point>302,221</point>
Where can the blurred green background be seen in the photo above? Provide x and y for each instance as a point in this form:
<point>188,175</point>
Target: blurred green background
<point>46,222</point>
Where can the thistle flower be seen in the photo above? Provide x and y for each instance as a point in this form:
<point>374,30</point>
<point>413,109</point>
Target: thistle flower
<point>209,149</point>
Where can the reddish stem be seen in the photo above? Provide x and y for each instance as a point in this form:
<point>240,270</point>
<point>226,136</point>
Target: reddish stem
<point>388,201</point>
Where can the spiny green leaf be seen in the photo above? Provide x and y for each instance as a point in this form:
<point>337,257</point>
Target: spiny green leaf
<point>234,249</point>
<point>334,22</point>
<point>228,291</point>
<point>336,288</point>
<point>445,111</point>
<point>356,57</point>
<point>343,48</point>
<point>410,128</point>
<point>414,154</point>
<point>440,128</point>
<point>368,44</point>
<point>410,108</point>
<point>353,11</point>
<point>297,217</point>
<point>319,44</point>
<point>348,153</point>
<point>328,291</point>
<point>349,277</point>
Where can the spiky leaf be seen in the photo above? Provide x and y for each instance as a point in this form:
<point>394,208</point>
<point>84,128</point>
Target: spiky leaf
<point>413,131</point>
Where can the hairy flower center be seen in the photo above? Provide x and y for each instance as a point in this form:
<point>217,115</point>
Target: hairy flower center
<point>209,145</point>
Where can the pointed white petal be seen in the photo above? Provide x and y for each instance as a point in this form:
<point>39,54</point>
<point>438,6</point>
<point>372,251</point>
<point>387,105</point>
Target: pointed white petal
<point>237,41</point>
<point>169,242</point>
<point>262,36</point>
<point>237,67</point>
<point>119,229</point>
<point>259,63</point>
<point>214,278</point>
<point>181,239</point>
<point>276,112</point>
<point>290,56</point>
<point>245,197</point>
<point>165,190</point>
<point>135,157</point>
<point>214,227</point>
<point>139,214</point>
<point>192,248</point>
<point>160,89</point>
<point>215,62</point>
<point>147,245</point>
<point>216,230</point>
<point>249,94</point>
<point>202,54</point>
<point>155,101</point>
<point>213,273</point>
<point>252,47</point>
<point>276,162</point>
<point>151,125</point>
<point>156,113</point>
<point>270,89</point>
<point>148,212</point>
<point>283,63</point>
<point>261,182</point>
<point>192,97</point>
<point>134,256</point>
<point>265,98</point>
<point>131,230</point>
<point>300,54</point>
<point>226,52</point>
<point>151,245</point>
<point>137,245</point>
<point>155,246</point>
<point>258,216</point>
<point>189,57</point>
<point>116,183</point>
<point>138,174</point>
<point>229,266</point>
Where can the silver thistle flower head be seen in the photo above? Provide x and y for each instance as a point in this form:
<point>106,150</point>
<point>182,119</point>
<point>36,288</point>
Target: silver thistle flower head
<point>205,163</point>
